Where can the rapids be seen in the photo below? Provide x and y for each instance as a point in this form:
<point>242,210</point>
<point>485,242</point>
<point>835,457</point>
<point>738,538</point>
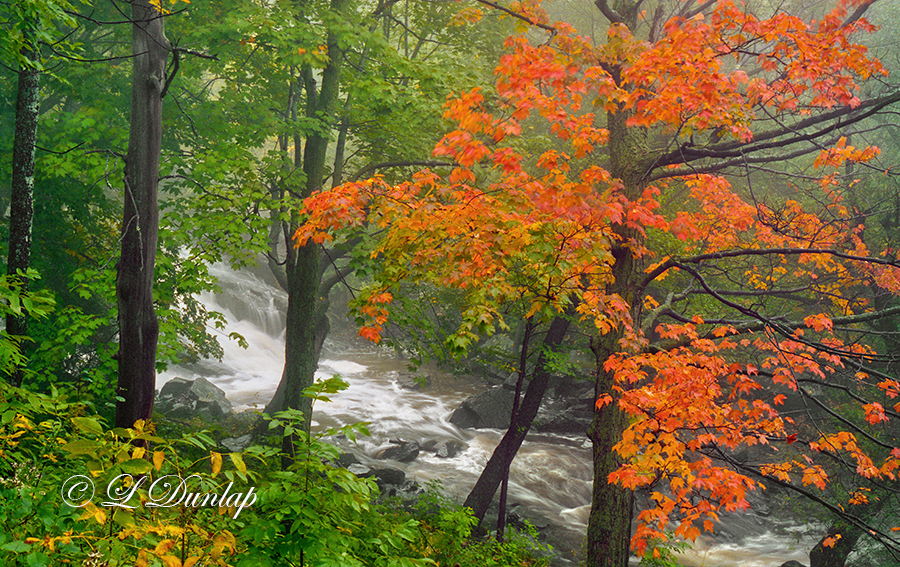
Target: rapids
<point>551,475</point>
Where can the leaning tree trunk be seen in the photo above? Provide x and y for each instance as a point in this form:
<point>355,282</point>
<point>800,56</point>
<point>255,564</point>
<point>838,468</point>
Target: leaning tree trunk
<point>482,493</point>
<point>21,204</point>
<point>138,326</point>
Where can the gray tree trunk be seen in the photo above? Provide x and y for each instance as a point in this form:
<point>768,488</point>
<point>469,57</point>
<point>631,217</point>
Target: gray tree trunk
<point>21,205</point>
<point>138,326</point>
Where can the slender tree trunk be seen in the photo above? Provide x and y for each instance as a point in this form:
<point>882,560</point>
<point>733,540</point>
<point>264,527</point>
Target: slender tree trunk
<point>138,326</point>
<point>497,467</point>
<point>21,205</point>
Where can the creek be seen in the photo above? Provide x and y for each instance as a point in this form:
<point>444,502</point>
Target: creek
<point>550,477</point>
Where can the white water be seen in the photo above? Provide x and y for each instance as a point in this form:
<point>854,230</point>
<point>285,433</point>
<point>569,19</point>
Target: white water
<point>551,474</point>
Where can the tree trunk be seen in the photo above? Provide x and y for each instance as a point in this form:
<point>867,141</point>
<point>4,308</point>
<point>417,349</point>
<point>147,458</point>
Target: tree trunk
<point>835,555</point>
<point>21,205</point>
<point>609,525</point>
<point>303,273</point>
<point>482,493</point>
<point>138,326</point>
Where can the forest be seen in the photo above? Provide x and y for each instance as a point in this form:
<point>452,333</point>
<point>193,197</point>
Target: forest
<point>687,209</point>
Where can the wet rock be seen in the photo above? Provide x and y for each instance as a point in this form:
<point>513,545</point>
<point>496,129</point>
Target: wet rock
<point>403,451</point>
<point>347,459</point>
<point>181,398</point>
<point>565,415</point>
<point>387,475</point>
<point>489,409</point>
<point>793,564</point>
<point>449,449</point>
<point>237,444</point>
<point>360,470</point>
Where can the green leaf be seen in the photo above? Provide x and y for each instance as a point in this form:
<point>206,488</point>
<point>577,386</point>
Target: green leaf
<point>137,466</point>
<point>88,425</point>
<point>16,547</point>
<point>123,517</point>
<point>82,447</point>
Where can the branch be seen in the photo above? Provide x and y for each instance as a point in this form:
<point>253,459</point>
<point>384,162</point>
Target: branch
<point>387,164</point>
<point>606,10</point>
<point>522,17</point>
<point>761,141</point>
<point>700,258</point>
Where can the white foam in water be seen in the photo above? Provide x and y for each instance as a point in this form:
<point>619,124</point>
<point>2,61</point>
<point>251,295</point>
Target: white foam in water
<point>552,474</point>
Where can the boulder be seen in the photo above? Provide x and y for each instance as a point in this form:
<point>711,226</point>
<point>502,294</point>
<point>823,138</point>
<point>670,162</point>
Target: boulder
<point>489,409</point>
<point>792,564</point>
<point>449,449</point>
<point>184,399</point>
<point>237,444</point>
<point>403,451</point>
<point>565,415</point>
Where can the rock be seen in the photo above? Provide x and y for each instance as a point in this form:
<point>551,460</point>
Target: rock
<point>403,451</point>
<point>792,563</point>
<point>385,476</point>
<point>512,380</point>
<point>449,449</point>
<point>181,398</point>
<point>360,470</point>
<point>347,459</point>
<point>565,415</point>
<point>489,409</point>
<point>237,444</point>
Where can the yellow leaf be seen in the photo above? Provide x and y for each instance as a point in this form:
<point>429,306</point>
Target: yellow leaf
<point>141,559</point>
<point>216,460</point>
<point>164,546</point>
<point>238,462</point>
<point>191,561</point>
<point>170,561</point>
<point>158,458</point>
<point>138,453</point>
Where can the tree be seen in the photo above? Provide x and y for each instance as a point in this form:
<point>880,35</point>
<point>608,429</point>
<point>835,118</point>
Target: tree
<point>24,34</point>
<point>138,326</point>
<point>714,304</point>
<point>295,108</point>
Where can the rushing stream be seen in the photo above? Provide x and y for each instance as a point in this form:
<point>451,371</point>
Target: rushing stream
<point>551,475</point>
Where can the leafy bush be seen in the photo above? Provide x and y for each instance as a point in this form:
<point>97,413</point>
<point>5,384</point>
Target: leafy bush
<point>138,499</point>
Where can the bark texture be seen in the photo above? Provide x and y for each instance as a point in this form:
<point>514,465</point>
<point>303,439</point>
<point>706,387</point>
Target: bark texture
<point>138,326</point>
<point>21,205</point>
<point>303,263</point>
<point>609,525</point>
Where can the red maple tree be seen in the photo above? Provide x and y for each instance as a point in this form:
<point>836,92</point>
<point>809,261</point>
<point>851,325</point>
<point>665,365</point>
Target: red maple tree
<point>717,295</point>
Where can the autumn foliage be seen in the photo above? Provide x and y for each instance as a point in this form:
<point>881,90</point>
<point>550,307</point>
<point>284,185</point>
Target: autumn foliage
<point>784,285</point>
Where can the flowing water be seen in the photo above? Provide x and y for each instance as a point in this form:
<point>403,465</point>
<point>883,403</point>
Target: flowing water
<point>551,475</point>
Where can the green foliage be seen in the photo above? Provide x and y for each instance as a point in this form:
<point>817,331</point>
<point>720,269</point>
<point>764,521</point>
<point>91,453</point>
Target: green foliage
<point>446,532</point>
<point>664,552</point>
<point>314,513</point>
<point>15,299</point>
